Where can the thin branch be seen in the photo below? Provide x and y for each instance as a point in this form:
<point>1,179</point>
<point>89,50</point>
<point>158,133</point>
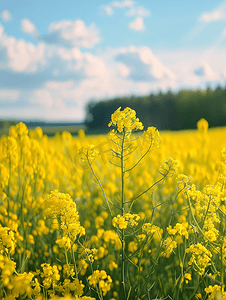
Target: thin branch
<point>139,160</point>
<point>157,182</point>
<point>100,185</point>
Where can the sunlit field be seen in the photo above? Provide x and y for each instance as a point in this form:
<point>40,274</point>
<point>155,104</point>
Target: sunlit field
<point>135,214</point>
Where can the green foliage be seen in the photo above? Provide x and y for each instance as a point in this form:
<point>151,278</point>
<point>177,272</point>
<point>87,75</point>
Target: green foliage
<point>7,124</point>
<point>169,111</point>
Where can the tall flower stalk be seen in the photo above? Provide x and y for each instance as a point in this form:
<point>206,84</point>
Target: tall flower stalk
<point>124,123</point>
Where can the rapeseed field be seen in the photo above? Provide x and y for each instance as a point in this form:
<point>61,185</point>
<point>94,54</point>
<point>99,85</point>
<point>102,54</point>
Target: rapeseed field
<point>135,214</point>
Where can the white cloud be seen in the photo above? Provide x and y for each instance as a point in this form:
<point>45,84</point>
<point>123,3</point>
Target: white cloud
<point>194,69</point>
<point>74,33</point>
<point>94,66</point>
<point>9,95</point>
<point>44,98</point>
<point>51,60</point>
<point>6,16</point>
<point>123,69</point>
<point>67,114</point>
<point>157,68</point>
<point>137,24</point>
<point>28,27</point>
<point>109,9</point>
<point>122,4</point>
<point>1,30</point>
<point>138,11</point>
<point>143,65</point>
<point>215,15</point>
<point>21,56</point>
<point>59,86</point>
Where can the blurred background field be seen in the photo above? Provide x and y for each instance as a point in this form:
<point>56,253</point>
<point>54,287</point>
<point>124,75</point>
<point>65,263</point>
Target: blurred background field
<point>50,129</point>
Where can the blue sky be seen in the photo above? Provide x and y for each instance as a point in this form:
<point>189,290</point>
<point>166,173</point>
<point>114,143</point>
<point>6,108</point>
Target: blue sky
<point>56,56</point>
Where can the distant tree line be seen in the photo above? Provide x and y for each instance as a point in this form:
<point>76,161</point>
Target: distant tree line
<point>169,111</point>
<point>6,124</point>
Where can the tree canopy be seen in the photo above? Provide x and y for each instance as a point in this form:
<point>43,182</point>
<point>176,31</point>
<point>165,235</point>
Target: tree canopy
<point>166,111</point>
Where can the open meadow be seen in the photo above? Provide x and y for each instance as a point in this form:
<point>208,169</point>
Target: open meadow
<point>134,214</point>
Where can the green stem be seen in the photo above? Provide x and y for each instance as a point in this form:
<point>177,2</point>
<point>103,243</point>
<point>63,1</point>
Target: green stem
<point>179,284</point>
<point>122,209</point>
<point>107,200</point>
<point>150,187</point>
<point>100,295</point>
<point>66,257</point>
<point>139,159</point>
<point>73,255</point>
<point>222,263</point>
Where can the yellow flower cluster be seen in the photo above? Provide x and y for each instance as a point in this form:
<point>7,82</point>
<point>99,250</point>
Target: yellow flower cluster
<point>74,287</point>
<point>126,220</point>
<point>170,166</point>
<point>183,180</point>
<point>87,152</point>
<point>169,245</point>
<point>7,268</point>
<point>216,292</point>
<point>179,229</point>
<point>7,240</point>
<point>101,279</point>
<point>207,205</point>
<point>90,253</point>
<point>202,125</point>
<point>201,257</point>
<point>150,229</point>
<point>125,120</point>
<point>187,277</point>
<point>152,136</point>
<point>64,242</point>
<point>61,208</point>
<point>50,275</point>
<point>15,285</point>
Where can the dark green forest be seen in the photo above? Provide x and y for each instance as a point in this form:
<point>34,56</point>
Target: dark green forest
<point>166,111</point>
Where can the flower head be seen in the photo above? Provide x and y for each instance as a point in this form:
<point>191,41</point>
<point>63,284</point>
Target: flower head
<point>88,152</point>
<point>202,125</point>
<point>125,120</point>
<point>126,220</point>
<point>60,206</point>
<point>170,166</point>
<point>152,136</point>
<point>103,280</point>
